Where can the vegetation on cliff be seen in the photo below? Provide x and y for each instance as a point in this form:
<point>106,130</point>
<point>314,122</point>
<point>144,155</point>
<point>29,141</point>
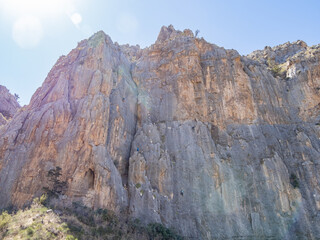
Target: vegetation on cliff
<point>38,221</point>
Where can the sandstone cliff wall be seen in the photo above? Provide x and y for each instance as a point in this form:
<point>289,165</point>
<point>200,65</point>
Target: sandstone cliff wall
<point>214,144</point>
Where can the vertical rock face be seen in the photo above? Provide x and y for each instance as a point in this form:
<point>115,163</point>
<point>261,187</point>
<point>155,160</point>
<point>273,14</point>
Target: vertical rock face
<point>8,105</point>
<point>214,144</point>
<point>76,121</point>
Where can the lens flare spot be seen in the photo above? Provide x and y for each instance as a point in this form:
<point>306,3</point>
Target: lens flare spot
<point>27,32</point>
<point>76,18</point>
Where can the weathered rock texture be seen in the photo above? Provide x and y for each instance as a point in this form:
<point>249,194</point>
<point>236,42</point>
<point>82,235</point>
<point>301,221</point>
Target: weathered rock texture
<point>214,144</point>
<point>8,105</point>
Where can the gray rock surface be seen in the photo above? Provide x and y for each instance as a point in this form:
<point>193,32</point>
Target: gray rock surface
<point>186,133</point>
<point>8,105</point>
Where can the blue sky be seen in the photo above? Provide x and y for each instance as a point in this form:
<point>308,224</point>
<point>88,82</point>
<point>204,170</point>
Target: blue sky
<point>34,33</point>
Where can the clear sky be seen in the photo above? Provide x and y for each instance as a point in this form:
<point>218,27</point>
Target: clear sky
<point>34,33</point>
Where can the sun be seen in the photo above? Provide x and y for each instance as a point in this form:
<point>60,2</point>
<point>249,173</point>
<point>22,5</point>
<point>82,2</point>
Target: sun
<point>29,16</point>
<point>39,8</point>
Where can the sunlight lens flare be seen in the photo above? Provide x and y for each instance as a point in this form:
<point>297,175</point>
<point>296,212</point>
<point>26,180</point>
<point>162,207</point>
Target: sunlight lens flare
<point>29,17</point>
<point>76,18</point>
<point>27,32</point>
<point>39,8</point>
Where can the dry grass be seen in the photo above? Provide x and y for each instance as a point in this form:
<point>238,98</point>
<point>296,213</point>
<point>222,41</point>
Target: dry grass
<point>77,222</point>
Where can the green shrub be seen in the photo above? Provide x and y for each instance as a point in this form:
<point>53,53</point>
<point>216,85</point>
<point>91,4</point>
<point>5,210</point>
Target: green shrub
<point>57,187</point>
<point>43,198</point>
<point>76,230</point>
<point>294,180</point>
<point>64,228</point>
<point>107,216</point>
<point>158,230</point>
<point>136,225</point>
<point>101,231</point>
<point>5,218</point>
<point>88,220</point>
<point>70,237</point>
<point>30,231</point>
<point>83,214</point>
<point>276,69</point>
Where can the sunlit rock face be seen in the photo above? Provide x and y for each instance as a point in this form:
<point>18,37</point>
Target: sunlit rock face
<point>78,122</point>
<point>186,133</point>
<point>8,105</point>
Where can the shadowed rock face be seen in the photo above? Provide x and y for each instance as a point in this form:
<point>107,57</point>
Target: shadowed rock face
<point>8,105</point>
<point>183,132</point>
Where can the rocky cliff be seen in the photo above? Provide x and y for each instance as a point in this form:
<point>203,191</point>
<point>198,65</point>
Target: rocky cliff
<point>186,133</point>
<point>8,105</point>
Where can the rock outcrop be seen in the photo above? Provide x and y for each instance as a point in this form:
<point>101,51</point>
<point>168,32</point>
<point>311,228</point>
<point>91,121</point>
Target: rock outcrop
<point>186,133</point>
<point>8,105</point>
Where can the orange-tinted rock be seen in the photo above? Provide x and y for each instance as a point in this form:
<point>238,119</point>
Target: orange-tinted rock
<point>214,144</point>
